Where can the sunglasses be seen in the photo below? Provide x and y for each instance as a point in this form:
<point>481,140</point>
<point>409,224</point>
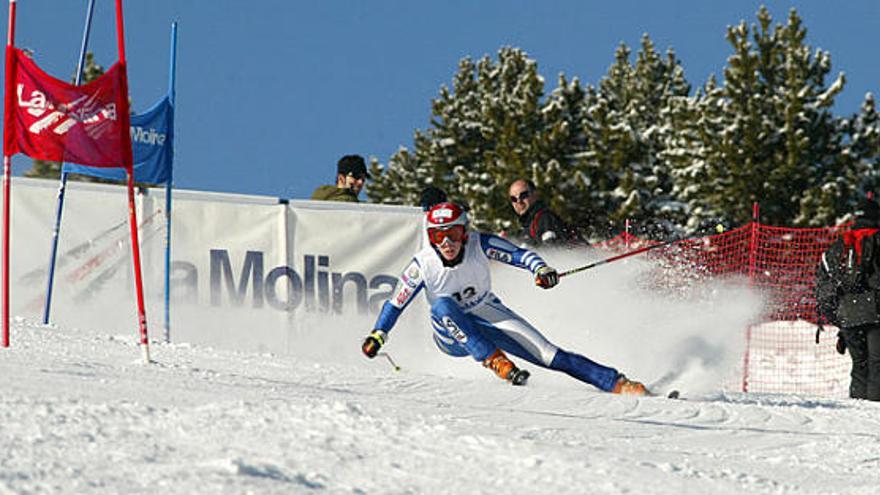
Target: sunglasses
<point>357,176</point>
<point>522,196</point>
<point>454,233</point>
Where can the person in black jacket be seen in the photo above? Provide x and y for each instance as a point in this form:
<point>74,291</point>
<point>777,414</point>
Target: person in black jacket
<point>847,285</point>
<point>430,196</point>
<point>539,223</point>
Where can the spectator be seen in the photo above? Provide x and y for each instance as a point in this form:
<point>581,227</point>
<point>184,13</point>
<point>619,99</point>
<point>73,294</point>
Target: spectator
<point>847,286</point>
<point>351,173</point>
<point>540,224</point>
<point>430,196</point>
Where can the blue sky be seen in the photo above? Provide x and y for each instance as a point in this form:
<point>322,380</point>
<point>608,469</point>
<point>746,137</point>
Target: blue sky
<point>271,93</point>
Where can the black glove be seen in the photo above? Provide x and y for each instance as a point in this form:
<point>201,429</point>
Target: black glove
<point>372,343</point>
<point>546,277</point>
<point>841,344</point>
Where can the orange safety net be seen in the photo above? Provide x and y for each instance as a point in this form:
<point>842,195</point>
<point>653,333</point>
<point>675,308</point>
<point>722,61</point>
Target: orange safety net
<point>781,354</point>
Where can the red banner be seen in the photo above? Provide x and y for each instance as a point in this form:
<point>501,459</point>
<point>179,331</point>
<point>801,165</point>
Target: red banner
<point>49,119</point>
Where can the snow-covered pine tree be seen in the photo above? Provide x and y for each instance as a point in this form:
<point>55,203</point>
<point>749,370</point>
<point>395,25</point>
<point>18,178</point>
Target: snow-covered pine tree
<point>612,142</point>
<point>637,146</point>
<point>815,143</point>
<point>627,132</point>
<point>861,174</point>
<point>453,138</point>
<point>864,145</point>
<point>659,82</point>
<point>400,182</point>
<point>595,168</point>
<point>486,131</point>
<point>563,176</point>
<point>838,192</point>
<point>510,93</point>
<point>693,122</point>
<point>778,138</point>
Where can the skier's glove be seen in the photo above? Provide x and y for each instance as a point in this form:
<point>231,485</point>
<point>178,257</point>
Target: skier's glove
<point>546,277</point>
<point>373,342</point>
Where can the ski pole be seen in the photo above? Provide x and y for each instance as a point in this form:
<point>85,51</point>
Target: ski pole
<point>618,257</point>
<point>388,357</point>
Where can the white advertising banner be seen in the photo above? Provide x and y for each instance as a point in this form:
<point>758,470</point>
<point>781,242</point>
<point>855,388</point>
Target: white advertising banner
<point>247,272</point>
<point>94,254</point>
<point>348,258</point>
<point>220,246</point>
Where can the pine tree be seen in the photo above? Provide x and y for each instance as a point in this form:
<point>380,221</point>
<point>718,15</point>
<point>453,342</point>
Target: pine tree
<point>628,132</point>
<point>658,83</point>
<point>698,184</point>
<point>436,151</point>
<point>566,178</point>
<point>485,132</point>
<point>773,139</point>
<point>611,143</point>
<point>638,146</point>
<point>863,149</point>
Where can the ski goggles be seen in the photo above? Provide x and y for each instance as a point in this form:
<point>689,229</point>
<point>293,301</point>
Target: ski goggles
<point>454,233</point>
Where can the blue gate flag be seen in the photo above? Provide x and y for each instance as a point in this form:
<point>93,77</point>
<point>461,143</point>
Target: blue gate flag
<point>152,147</point>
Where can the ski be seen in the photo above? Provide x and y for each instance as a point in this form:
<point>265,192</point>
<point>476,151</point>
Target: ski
<point>672,394</point>
<point>519,377</point>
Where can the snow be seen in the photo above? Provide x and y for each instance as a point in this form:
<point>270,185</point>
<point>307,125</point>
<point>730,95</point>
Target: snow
<point>824,99</point>
<point>80,413</point>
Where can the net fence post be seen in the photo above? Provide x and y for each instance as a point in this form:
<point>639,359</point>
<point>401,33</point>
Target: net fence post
<point>753,261</point>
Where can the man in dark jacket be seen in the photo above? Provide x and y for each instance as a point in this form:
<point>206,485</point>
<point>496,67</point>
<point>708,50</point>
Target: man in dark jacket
<point>430,196</point>
<point>847,285</point>
<point>540,224</point>
<point>351,173</point>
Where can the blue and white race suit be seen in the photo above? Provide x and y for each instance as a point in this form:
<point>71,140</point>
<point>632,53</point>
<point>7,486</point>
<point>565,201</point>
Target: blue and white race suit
<point>468,319</point>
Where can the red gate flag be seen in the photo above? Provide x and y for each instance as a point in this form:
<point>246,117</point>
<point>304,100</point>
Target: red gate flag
<point>49,119</point>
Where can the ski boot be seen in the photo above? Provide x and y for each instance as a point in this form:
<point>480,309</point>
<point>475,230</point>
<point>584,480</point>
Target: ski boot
<point>505,369</point>
<point>625,386</point>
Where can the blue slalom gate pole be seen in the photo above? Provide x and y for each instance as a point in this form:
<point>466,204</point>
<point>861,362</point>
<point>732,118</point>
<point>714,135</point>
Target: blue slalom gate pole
<point>61,188</point>
<point>171,75</point>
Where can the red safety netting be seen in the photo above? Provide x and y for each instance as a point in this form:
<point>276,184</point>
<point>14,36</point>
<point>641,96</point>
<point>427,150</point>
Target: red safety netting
<point>781,354</point>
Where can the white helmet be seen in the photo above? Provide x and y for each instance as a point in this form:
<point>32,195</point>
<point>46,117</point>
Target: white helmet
<point>446,215</point>
<point>447,220</point>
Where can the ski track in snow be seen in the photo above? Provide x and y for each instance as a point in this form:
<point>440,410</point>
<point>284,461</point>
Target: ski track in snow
<point>79,413</point>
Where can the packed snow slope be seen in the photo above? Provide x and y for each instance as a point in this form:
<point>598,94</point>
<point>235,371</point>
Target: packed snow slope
<point>79,413</point>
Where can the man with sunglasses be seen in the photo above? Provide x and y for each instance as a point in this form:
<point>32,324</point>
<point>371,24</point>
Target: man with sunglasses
<point>351,173</point>
<point>539,223</point>
<point>468,319</point>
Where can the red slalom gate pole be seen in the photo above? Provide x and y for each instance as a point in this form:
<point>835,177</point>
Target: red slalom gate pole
<point>129,172</point>
<point>7,179</point>
<point>138,279</point>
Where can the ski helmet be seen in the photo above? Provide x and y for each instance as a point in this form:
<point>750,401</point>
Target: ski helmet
<point>445,218</point>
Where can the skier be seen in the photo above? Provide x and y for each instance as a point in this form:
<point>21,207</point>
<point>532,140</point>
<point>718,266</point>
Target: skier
<point>468,319</point>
